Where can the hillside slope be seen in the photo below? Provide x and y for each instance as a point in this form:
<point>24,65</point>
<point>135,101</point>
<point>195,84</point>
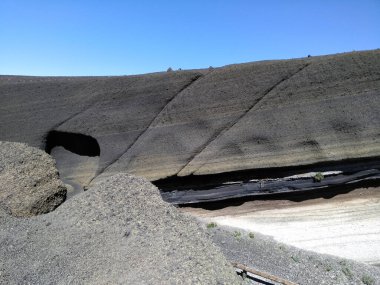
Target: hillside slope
<point>246,116</point>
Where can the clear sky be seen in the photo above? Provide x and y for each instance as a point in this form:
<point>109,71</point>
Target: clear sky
<point>110,37</point>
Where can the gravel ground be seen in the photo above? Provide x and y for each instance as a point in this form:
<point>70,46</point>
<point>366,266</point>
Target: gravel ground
<point>120,231</point>
<point>303,267</point>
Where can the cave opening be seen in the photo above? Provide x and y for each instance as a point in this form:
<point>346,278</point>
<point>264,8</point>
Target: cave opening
<point>76,143</point>
<point>77,158</point>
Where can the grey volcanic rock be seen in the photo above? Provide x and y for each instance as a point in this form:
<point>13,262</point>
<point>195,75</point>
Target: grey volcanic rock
<point>266,114</point>
<point>245,116</point>
<point>118,232</point>
<point>117,119</point>
<point>326,112</point>
<point>194,117</point>
<point>114,110</point>
<point>29,182</point>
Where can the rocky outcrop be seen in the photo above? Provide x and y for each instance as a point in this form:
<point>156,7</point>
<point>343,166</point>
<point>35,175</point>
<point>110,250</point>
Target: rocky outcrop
<point>118,232</point>
<point>248,116</point>
<point>29,182</point>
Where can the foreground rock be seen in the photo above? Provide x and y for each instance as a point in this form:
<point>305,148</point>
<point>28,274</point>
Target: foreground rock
<point>118,232</point>
<point>29,183</point>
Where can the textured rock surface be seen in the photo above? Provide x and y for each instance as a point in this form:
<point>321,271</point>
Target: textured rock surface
<point>114,110</point>
<point>246,116</point>
<point>325,112</point>
<point>266,114</point>
<point>118,232</point>
<point>29,183</point>
<point>194,117</point>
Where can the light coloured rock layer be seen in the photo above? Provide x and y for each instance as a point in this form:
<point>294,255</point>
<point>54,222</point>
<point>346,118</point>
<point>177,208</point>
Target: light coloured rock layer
<point>75,170</point>
<point>346,225</point>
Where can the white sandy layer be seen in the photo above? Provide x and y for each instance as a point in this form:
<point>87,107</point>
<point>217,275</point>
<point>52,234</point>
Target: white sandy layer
<point>347,225</point>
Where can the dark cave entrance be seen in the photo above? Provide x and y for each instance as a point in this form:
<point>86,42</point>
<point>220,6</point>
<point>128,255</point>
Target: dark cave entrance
<point>76,143</point>
<point>76,156</point>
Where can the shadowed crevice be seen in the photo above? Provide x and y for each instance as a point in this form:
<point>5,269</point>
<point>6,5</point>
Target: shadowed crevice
<point>76,143</point>
<point>274,182</point>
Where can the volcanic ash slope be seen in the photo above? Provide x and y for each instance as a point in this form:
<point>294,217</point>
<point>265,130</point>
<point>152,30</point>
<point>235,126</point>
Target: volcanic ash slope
<point>265,114</point>
<point>118,232</point>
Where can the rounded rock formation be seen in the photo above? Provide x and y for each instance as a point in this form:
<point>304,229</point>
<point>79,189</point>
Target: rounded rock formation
<point>29,181</point>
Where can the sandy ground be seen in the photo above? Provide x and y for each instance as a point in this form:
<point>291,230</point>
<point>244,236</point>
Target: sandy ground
<point>347,225</point>
<point>76,171</point>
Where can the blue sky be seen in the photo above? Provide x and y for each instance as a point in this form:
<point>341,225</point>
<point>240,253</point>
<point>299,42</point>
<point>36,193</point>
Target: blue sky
<point>83,37</point>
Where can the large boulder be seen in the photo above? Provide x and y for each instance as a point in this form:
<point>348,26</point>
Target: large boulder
<point>29,182</point>
<point>120,231</point>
